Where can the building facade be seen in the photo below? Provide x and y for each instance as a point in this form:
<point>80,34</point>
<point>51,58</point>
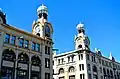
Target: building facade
<point>25,55</point>
<point>82,63</point>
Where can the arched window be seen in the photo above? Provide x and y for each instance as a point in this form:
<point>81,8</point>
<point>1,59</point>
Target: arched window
<point>108,73</point>
<point>23,58</point>
<point>8,55</point>
<point>61,71</point>
<point>35,61</point>
<point>94,68</point>
<point>71,69</point>
<point>111,73</point>
<point>94,72</point>
<point>104,71</point>
<point>80,46</point>
<point>47,31</point>
<point>38,34</point>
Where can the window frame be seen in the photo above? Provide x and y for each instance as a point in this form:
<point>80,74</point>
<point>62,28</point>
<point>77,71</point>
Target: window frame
<point>7,38</point>
<point>13,40</point>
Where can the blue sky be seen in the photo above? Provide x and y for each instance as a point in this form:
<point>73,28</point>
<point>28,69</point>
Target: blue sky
<point>101,19</point>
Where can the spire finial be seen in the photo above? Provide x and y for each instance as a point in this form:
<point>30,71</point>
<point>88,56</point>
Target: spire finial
<point>110,57</point>
<point>42,4</point>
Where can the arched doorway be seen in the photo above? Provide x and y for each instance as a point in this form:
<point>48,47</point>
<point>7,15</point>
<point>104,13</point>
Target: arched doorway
<point>35,67</point>
<point>8,64</point>
<point>94,72</point>
<point>22,66</point>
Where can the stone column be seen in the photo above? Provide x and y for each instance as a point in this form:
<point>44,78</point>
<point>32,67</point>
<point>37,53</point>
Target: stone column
<point>66,73</point>
<point>30,66</point>
<point>16,61</point>
<point>1,47</point>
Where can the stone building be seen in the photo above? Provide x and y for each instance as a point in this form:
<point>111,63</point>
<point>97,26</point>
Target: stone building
<point>25,55</point>
<point>82,63</point>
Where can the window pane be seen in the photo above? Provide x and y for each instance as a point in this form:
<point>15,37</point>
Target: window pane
<point>33,46</point>
<point>26,43</point>
<point>45,49</point>
<point>82,66</point>
<point>47,63</point>
<point>13,40</point>
<point>81,56</point>
<point>48,50</point>
<point>21,42</point>
<point>38,47</point>
<point>47,75</point>
<point>7,38</point>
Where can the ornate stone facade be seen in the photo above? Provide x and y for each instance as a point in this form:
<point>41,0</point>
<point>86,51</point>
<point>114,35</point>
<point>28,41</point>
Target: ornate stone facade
<point>25,55</point>
<point>82,63</point>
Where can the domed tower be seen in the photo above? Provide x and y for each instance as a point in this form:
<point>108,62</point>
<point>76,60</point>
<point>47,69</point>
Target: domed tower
<point>81,40</point>
<point>2,17</point>
<point>42,27</point>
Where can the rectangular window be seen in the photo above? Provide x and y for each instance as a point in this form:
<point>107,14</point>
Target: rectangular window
<point>7,38</point>
<point>68,59</point>
<point>33,45</point>
<point>53,62</point>
<point>82,66</point>
<point>21,42</point>
<point>47,63</point>
<point>81,76</point>
<point>89,76</point>
<point>100,69</point>
<point>72,77</point>
<point>26,43</point>
<point>38,47</point>
<point>94,59</point>
<point>72,58</point>
<point>88,57</point>
<point>102,62</point>
<point>13,39</point>
<point>89,68</point>
<point>62,60</point>
<point>46,49</point>
<point>81,56</point>
<point>58,61</point>
<point>99,61</point>
<point>47,75</point>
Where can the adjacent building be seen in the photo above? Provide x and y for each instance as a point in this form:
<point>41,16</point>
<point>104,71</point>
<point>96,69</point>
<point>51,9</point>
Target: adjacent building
<point>82,63</point>
<point>25,55</point>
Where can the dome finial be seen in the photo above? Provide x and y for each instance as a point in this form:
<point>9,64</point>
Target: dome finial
<point>80,25</point>
<point>42,9</point>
